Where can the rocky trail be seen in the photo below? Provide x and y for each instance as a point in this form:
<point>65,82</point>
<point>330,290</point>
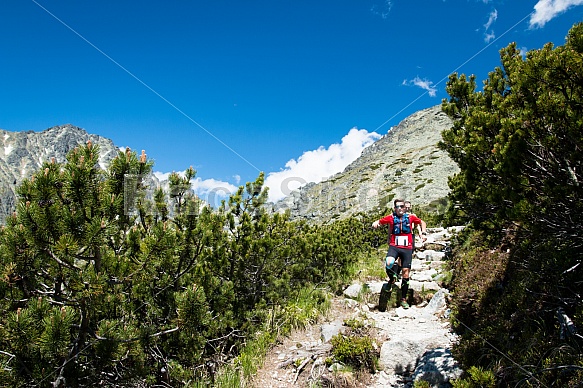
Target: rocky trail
<point>414,344</point>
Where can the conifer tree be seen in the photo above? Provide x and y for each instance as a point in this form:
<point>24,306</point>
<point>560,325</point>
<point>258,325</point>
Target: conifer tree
<point>91,277</point>
<point>102,285</point>
<point>519,146</point>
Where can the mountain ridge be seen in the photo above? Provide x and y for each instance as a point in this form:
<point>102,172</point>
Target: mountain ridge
<point>405,163</point>
<point>23,153</point>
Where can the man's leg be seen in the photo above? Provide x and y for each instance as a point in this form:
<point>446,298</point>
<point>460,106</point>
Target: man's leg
<point>391,268</point>
<point>397,268</point>
<point>386,289</point>
<point>405,288</point>
<point>406,258</point>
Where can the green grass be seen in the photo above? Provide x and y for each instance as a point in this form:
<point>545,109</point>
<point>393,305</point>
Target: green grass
<point>305,309</point>
<point>369,266</point>
<point>386,200</point>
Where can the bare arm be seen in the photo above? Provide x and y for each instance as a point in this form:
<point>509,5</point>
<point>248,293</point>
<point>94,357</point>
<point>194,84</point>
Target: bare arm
<point>421,227</point>
<point>422,230</point>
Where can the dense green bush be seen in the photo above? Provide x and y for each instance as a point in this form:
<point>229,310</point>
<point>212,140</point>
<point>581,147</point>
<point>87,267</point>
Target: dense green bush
<point>477,378</point>
<point>517,268</point>
<point>102,285</point>
<point>356,351</point>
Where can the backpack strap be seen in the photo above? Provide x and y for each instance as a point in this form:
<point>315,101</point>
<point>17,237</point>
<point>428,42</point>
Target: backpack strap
<point>401,224</point>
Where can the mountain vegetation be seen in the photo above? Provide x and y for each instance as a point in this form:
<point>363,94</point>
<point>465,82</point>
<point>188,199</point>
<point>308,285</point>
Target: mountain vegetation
<point>518,274</point>
<point>107,281</point>
<point>100,287</point>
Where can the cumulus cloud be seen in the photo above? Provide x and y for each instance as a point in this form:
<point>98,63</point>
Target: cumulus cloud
<point>213,191</point>
<point>423,84</point>
<point>317,165</point>
<point>162,176</point>
<point>312,166</point>
<point>546,10</point>
<point>210,190</point>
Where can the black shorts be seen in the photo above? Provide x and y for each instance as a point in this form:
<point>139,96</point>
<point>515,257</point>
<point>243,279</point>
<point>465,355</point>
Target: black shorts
<point>406,255</point>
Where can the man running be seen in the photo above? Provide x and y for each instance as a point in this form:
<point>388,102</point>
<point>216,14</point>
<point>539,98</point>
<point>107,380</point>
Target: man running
<point>400,243</point>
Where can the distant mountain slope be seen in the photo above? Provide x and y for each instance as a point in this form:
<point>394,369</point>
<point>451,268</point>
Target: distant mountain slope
<point>23,153</point>
<point>404,163</point>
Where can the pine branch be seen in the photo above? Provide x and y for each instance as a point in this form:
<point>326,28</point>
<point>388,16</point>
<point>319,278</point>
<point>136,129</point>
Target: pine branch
<point>124,341</point>
<point>61,262</point>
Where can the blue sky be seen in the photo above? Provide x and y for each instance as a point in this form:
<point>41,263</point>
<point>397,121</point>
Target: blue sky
<point>295,89</point>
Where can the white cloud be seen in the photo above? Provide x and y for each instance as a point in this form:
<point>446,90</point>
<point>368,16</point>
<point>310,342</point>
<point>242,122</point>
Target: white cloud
<point>491,19</point>
<point>545,10</point>
<point>317,165</point>
<point>210,190</point>
<point>205,186</point>
<point>489,35</point>
<point>382,9</point>
<point>423,84</point>
<point>312,166</point>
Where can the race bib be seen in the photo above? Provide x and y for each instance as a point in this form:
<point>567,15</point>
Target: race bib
<point>402,241</point>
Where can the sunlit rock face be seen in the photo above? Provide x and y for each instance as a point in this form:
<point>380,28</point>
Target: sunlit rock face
<point>405,163</point>
<point>23,153</point>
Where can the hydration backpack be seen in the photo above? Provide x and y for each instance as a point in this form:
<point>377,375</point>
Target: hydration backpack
<point>401,225</point>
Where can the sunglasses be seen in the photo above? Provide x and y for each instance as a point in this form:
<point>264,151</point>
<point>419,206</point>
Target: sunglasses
<point>399,206</point>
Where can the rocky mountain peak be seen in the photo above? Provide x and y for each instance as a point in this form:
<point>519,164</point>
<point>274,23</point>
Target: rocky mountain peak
<point>23,153</point>
<point>405,163</point>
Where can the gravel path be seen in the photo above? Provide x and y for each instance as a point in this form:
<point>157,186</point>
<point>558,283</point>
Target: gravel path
<point>409,339</point>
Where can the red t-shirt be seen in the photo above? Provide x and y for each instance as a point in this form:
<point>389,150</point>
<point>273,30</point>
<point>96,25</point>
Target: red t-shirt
<point>401,240</point>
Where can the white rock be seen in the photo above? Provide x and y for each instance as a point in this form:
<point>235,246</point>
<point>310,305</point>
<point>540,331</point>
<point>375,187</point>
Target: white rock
<point>353,291</point>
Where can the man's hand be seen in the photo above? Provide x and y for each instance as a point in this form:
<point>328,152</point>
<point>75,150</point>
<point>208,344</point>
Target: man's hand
<point>376,224</point>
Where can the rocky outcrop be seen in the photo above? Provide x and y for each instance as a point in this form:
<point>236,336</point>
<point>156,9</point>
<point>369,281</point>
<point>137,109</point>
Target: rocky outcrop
<point>23,153</point>
<point>404,163</point>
